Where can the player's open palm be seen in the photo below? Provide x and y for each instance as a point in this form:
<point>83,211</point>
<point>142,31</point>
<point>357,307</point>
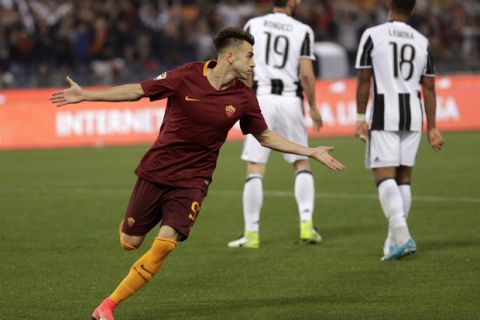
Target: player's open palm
<point>67,96</point>
<point>322,155</point>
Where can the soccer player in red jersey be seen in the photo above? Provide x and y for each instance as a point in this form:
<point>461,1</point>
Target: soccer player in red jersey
<point>204,101</point>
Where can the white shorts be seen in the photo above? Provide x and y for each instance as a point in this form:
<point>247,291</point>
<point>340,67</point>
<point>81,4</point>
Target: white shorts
<point>284,115</point>
<point>391,148</point>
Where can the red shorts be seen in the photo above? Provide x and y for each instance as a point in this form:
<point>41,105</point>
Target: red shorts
<point>152,203</point>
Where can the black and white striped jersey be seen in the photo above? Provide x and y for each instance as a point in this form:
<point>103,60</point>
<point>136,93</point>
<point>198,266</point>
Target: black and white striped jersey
<point>280,43</point>
<point>399,56</point>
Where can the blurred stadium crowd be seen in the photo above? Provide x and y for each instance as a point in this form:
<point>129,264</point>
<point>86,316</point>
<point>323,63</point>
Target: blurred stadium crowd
<point>117,41</point>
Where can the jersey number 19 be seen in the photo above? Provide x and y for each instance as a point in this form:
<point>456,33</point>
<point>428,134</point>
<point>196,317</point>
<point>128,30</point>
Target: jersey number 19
<point>280,47</point>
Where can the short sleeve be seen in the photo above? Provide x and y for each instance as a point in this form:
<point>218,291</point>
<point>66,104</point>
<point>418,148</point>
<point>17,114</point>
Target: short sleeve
<point>307,44</point>
<point>164,85</point>
<point>252,121</point>
<point>247,26</point>
<point>364,52</point>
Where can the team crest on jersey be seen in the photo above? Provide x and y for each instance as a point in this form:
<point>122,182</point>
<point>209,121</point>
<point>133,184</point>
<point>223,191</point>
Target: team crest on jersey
<point>230,110</point>
<point>130,222</point>
<point>161,76</point>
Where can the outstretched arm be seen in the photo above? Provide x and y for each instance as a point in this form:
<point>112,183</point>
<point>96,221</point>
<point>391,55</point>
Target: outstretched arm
<point>76,94</point>
<point>434,136</point>
<point>274,141</point>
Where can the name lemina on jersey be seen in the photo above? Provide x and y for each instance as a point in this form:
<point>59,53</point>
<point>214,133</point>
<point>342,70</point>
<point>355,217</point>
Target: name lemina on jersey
<point>400,33</point>
<point>277,25</point>
<point>399,57</point>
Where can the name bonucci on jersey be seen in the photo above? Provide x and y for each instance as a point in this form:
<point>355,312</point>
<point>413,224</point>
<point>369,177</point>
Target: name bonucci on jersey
<point>280,42</point>
<point>399,56</point>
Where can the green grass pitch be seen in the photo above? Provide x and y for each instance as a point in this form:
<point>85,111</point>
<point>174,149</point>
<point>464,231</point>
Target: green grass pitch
<point>59,251</point>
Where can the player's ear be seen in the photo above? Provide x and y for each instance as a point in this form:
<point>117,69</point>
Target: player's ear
<point>229,56</point>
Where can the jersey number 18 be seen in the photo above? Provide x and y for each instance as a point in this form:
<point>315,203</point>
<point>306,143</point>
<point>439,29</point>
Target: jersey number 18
<point>401,58</point>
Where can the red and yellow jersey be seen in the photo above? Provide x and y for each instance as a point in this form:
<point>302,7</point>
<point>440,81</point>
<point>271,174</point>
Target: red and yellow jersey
<point>196,123</point>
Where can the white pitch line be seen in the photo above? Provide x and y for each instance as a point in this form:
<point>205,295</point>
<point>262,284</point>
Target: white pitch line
<point>340,195</point>
<point>56,190</point>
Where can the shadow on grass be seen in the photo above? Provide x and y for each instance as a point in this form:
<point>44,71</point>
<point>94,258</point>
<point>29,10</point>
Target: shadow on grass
<point>443,244</point>
<point>351,231</point>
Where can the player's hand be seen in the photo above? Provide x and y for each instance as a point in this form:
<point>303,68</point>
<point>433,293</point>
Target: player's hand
<point>316,118</point>
<point>361,130</point>
<point>321,155</point>
<point>67,96</point>
<point>435,139</point>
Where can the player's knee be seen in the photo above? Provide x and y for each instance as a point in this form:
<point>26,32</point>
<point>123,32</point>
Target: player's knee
<point>129,243</point>
<point>254,168</point>
<point>301,166</point>
<point>126,246</point>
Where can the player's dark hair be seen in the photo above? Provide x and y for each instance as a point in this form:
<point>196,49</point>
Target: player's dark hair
<point>280,3</point>
<point>230,36</point>
<point>403,6</point>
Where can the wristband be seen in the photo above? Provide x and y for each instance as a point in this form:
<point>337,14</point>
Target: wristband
<point>360,117</point>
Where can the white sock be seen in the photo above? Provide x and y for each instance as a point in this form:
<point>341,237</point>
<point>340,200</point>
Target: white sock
<point>406,192</point>
<point>392,205</point>
<point>252,201</point>
<point>304,194</point>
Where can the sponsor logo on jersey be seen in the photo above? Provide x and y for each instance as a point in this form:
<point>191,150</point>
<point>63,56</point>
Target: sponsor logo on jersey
<point>188,98</point>
<point>130,222</point>
<point>229,110</point>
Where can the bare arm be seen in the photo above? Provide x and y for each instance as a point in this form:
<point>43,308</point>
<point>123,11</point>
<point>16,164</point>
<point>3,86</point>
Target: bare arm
<point>362,94</point>
<point>307,79</point>
<point>76,94</point>
<point>434,136</point>
<point>274,141</point>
